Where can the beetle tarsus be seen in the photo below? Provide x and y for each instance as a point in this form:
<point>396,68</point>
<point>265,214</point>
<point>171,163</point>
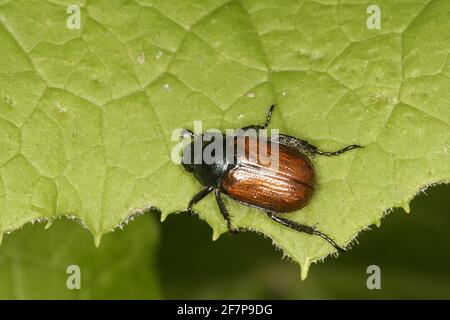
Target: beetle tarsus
<point>303,228</point>
<point>224,211</point>
<point>338,152</point>
<point>232,229</point>
<point>329,240</point>
<point>268,118</point>
<point>190,213</point>
<point>260,126</point>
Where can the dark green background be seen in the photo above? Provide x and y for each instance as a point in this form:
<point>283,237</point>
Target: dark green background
<point>412,251</point>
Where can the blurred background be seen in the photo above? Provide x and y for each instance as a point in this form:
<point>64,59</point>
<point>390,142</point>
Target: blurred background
<point>412,251</point>
<point>178,260</point>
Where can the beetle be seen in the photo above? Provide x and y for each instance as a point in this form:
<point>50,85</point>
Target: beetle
<point>247,180</point>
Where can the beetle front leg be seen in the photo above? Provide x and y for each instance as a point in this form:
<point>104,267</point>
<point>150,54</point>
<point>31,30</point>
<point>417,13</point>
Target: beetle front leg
<point>224,212</point>
<point>197,198</point>
<point>303,228</point>
<point>268,117</point>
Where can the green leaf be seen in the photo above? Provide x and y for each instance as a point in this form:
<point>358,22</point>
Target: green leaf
<point>87,115</point>
<point>36,263</point>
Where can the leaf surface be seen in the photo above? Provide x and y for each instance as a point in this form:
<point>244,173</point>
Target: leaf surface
<point>86,115</point>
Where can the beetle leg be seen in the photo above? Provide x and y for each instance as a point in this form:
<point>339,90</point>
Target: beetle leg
<point>263,126</point>
<point>306,229</point>
<point>305,147</point>
<point>301,145</point>
<point>338,152</point>
<point>198,197</point>
<point>224,212</point>
<point>269,116</point>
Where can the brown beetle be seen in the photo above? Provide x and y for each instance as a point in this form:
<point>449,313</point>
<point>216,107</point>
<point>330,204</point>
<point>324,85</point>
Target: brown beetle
<point>246,176</point>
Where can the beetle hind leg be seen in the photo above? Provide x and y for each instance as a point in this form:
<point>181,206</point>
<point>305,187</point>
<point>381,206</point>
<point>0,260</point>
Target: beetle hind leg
<point>224,212</point>
<point>303,228</point>
<point>305,147</point>
<point>338,152</point>
<point>299,144</point>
